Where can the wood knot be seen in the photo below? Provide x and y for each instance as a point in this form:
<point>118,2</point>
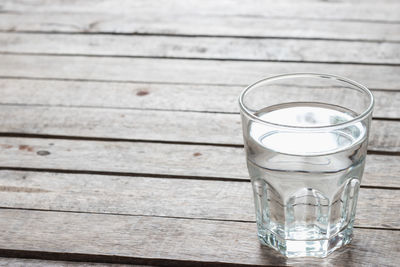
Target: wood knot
<point>197,154</point>
<point>43,153</point>
<point>142,93</point>
<point>201,49</point>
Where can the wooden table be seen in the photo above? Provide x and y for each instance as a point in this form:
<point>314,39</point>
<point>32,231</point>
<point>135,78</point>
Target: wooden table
<point>120,134</point>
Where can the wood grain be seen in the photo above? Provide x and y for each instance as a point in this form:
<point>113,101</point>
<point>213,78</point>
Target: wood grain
<point>202,47</point>
<point>217,200</point>
<point>193,127</point>
<point>305,19</point>
<point>69,70</point>
<point>183,70</point>
<point>305,9</point>
<point>135,158</point>
<point>132,239</point>
<point>188,97</point>
<point>18,262</point>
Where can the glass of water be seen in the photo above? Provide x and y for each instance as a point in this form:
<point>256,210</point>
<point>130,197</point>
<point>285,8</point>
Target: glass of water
<point>306,139</point>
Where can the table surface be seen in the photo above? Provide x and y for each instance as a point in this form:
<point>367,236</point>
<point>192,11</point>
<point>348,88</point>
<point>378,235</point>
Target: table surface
<point>120,134</point>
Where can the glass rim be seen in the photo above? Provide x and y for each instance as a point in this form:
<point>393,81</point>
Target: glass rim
<point>356,119</point>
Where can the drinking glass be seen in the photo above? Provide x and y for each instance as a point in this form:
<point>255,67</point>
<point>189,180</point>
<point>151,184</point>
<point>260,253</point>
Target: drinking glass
<point>305,137</point>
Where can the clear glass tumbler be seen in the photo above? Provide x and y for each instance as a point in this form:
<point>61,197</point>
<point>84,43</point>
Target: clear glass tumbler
<point>306,139</point>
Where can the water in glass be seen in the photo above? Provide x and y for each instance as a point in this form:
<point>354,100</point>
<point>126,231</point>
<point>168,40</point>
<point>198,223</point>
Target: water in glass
<point>305,184</point>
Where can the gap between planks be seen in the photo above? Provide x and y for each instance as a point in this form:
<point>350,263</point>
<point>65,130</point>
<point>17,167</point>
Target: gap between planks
<point>205,59</point>
<point>136,82</point>
<point>188,35</point>
<point>13,105</point>
<point>143,109</point>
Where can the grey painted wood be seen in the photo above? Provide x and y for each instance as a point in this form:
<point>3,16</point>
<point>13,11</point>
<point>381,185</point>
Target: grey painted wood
<point>188,97</point>
<point>186,25</point>
<point>124,95</point>
<point>306,9</point>
<point>183,70</point>
<point>202,47</point>
<point>153,158</point>
<point>18,262</point>
<point>218,200</point>
<point>316,19</point>
<point>133,238</point>
<point>124,124</point>
<point>384,136</point>
<point>152,125</point>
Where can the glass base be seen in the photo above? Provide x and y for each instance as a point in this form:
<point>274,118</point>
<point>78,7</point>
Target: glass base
<point>307,248</point>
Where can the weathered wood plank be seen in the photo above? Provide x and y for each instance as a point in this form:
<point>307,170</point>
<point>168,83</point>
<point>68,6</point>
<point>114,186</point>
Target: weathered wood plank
<point>202,47</point>
<point>134,239</point>
<point>124,95</point>
<point>183,71</point>
<point>161,159</point>
<point>308,9</point>
<point>376,208</point>
<point>384,136</point>
<point>148,96</point>
<point>124,124</point>
<point>239,26</point>
<point>193,127</point>
<point>315,19</point>
<point>18,262</point>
